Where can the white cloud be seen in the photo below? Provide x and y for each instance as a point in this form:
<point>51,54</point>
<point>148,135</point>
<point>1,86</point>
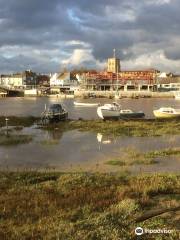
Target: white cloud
<point>79,56</point>
<point>156,59</point>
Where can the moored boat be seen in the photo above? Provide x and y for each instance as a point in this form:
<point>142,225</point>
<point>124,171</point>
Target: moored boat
<point>114,111</point>
<point>54,113</point>
<point>109,111</point>
<point>128,113</point>
<point>81,104</point>
<point>167,112</point>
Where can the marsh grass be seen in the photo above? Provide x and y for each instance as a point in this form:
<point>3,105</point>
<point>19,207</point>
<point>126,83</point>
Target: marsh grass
<point>137,128</point>
<point>81,205</point>
<point>19,121</point>
<point>49,142</point>
<point>131,156</point>
<point>14,139</point>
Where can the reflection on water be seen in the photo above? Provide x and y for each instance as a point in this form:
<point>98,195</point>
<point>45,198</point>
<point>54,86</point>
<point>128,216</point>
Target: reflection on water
<point>34,106</point>
<point>100,139</point>
<point>75,151</point>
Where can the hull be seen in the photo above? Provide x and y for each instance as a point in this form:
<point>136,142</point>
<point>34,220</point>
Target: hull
<point>107,114</point>
<point>86,104</point>
<point>132,115</point>
<point>159,114</point>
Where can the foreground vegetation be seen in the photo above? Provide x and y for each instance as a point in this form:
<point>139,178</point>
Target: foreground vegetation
<point>81,206</point>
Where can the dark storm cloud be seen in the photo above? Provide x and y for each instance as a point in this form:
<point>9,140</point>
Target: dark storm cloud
<point>130,26</point>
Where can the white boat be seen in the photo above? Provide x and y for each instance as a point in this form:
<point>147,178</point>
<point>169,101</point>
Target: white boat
<point>109,111</point>
<point>81,104</point>
<point>114,111</point>
<point>177,95</point>
<point>167,112</point>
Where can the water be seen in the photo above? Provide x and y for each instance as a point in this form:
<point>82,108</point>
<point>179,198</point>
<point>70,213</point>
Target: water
<point>35,105</point>
<point>77,151</point>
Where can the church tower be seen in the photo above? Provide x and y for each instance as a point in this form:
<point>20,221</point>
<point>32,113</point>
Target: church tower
<point>114,64</point>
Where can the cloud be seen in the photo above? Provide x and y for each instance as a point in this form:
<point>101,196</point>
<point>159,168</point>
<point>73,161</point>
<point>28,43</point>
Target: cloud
<point>47,34</point>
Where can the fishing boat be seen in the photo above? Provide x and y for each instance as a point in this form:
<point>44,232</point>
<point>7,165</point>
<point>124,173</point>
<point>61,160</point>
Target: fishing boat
<point>114,111</point>
<point>81,104</point>
<point>167,112</point>
<point>54,113</point>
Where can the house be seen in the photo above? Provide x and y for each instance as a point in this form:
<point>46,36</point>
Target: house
<point>63,82</point>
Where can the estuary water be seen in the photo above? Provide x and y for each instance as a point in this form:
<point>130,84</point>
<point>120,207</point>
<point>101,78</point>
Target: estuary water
<point>83,151</point>
<point>35,105</point>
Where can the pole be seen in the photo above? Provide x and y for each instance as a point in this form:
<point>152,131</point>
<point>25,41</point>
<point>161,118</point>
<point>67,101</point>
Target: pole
<point>6,119</point>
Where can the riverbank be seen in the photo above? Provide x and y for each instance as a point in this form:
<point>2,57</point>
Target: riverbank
<point>74,206</point>
<point>138,128</point>
<point>123,94</point>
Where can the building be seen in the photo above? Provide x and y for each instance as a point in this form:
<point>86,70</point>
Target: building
<point>62,82</point>
<point>19,80</point>
<point>43,80</point>
<point>113,64</point>
<point>136,79</point>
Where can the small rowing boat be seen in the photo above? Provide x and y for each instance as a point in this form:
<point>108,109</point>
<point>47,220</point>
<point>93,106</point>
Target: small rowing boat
<point>81,104</point>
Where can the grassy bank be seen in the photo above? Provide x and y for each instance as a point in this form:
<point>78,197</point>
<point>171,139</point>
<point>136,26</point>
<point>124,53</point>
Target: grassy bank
<point>86,206</point>
<point>138,128</point>
<point>130,128</point>
<point>143,127</point>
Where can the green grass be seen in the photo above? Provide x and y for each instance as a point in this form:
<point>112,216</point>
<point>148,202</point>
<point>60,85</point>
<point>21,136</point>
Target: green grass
<point>84,206</point>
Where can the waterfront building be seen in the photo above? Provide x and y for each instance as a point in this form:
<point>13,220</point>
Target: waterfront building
<point>43,80</point>
<point>18,80</point>
<point>63,82</point>
<point>124,80</point>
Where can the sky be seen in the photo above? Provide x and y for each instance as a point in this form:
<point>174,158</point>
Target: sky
<point>50,35</point>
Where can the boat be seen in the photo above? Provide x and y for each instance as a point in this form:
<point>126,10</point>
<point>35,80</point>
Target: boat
<point>109,111</point>
<point>167,112</point>
<point>128,113</point>
<point>177,95</point>
<point>55,112</point>
<point>114,111</point>
<point>81,104</point>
